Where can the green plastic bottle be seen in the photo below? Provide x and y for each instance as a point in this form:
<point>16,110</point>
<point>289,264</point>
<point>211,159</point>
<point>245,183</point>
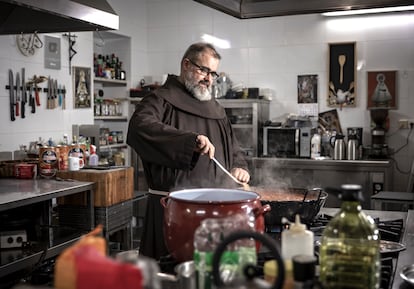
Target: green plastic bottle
<point>350,246</point>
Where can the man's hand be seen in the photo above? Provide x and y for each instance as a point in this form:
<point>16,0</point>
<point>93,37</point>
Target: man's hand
<point>204,146</point>
<point>241,174</point>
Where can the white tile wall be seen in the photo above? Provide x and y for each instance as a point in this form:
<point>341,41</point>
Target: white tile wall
<point>266,53</point>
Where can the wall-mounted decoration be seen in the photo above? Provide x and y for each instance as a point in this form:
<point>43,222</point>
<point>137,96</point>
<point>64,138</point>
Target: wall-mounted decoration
<point>307,88</point>
<point>308,94</point>
<point>52,52</point>
<point>329,120</point>
<point>382,90</point>
<point>342,74</point>
<point>28,43</point>
<point>82,87</point>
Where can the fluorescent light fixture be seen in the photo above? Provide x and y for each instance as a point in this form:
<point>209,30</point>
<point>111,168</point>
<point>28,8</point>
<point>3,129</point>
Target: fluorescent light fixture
<point>369,11</point>
<point>219,43</point>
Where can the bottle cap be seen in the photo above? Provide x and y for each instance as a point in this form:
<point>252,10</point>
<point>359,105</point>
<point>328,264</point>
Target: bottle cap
<point>297,225</point>
<point>303,267</point>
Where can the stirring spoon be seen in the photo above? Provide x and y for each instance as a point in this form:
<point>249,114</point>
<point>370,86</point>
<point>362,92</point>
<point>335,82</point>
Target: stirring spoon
<point>245,185</point>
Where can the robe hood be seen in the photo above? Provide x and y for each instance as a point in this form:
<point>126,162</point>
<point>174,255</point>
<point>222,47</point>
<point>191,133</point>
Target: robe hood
<point>174,92</point>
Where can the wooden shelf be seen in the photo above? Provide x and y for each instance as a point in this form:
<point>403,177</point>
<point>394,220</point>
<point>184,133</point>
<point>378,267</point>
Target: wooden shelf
<point>111,118</point>
<point>110,82</point>
<point>113,146</point>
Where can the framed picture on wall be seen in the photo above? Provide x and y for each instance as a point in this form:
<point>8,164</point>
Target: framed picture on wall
<point>342,75</point>
<point>308,88</point>
<point>382,90</point>
<point>81,87</point>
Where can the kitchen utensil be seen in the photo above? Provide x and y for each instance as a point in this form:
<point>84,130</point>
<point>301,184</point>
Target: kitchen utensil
<point>185,209</point>
<point>227,172</point>
<point>338,144</point>
<point>286,203</point>
<point>24,94</point>
<point>407,273</point>
<point>17,98</point>
<point>11,93</point>
<point>387,247</point>
<point>341,60</point>
<point>249,271</point>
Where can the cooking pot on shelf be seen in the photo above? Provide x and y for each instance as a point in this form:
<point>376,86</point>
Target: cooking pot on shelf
<point>185,209</point>
<point>289,202</point>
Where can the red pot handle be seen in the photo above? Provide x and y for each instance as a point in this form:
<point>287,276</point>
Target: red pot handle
<point>164,200</point>
<point>262,210</point>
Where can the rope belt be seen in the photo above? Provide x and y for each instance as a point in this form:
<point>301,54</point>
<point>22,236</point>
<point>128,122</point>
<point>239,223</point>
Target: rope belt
<point>159,193</point>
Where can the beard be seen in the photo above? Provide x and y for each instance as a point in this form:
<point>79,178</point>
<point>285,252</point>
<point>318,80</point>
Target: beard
<point>200,92</point>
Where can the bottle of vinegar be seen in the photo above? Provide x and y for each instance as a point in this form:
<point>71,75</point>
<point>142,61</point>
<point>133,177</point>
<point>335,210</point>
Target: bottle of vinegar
<point>349,252</point>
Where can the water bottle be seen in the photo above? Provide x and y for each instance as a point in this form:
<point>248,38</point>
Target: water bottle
<point>349,252</point>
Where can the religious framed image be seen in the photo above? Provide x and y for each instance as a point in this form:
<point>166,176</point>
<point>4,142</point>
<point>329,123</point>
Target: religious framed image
<point>382,89</point>
<point>81,87</point>
<point>342,74</point>
<point>329,120</point>
<point>307,88</point>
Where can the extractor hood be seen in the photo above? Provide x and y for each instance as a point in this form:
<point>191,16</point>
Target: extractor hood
<point>245,9</point>
<point>49,16</point>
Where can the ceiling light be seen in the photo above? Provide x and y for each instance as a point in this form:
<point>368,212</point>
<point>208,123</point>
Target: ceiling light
<point>369,11</point>
<point>219,43</point>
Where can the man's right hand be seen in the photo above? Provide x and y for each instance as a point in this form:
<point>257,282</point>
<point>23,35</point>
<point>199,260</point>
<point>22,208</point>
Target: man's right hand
<point>204,146</point>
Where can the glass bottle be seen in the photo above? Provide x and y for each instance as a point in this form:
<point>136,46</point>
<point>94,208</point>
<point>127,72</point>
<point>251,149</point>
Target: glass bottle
<point>349,252</point>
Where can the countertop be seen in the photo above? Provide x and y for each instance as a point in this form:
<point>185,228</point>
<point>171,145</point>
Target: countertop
<point>20,192</point>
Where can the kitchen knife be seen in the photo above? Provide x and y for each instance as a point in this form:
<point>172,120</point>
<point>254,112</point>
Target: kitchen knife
<point>32,101</point>
<point>55,94</point>
<point>49,93</point>
<point>64,97</point>
<point>11,91</point>
<point>17,97</point>
<point>24,94</point>
<point>60,95</point>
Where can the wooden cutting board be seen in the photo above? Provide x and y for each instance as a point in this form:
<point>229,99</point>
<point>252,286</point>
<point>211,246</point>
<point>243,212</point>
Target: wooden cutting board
<point>111,186</point>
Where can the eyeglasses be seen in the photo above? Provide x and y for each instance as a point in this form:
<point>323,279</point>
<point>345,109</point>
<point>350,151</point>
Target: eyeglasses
<point>204,71</point>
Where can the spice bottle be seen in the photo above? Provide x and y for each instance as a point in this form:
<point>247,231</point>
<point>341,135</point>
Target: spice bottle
<point>349,252</point>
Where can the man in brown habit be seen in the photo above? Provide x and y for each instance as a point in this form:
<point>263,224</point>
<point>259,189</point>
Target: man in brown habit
<point>176,130</point>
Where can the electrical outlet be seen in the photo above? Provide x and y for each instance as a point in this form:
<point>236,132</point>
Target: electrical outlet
<point>403,123</point>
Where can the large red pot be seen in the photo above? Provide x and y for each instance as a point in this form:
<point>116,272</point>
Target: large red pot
<point>184,210</point>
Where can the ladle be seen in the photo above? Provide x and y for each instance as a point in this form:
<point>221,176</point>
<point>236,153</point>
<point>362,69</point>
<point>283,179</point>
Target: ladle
<point>245,185</point>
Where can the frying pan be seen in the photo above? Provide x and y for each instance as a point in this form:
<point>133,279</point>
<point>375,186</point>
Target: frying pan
<point>289,202</point>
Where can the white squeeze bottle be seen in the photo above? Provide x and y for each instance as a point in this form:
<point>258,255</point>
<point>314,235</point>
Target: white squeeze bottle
<point>296,241</point>
<point>316,145</point>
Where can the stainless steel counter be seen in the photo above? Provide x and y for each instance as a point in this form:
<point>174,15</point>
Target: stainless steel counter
<point>372,175</point>
<point>16,193</point>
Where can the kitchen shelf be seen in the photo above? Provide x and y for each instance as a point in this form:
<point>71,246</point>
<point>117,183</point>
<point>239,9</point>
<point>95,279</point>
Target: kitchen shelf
<point>111,118</point>
<point>110,82</point>
<point>113,146</point>
<point>247,117</point>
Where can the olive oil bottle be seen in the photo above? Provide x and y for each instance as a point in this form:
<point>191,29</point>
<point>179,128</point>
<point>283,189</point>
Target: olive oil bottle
<point>349,252</point>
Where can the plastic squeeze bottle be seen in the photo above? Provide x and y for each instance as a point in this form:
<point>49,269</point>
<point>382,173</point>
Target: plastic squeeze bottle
<point>349,252</point>
<point>295,241</point>
<point>93,158</point>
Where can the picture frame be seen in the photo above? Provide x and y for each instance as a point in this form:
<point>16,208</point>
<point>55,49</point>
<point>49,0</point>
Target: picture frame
<point>81,87</point>
<point>307,88</point>
<point>382,89</point>
<point>342,75</point>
